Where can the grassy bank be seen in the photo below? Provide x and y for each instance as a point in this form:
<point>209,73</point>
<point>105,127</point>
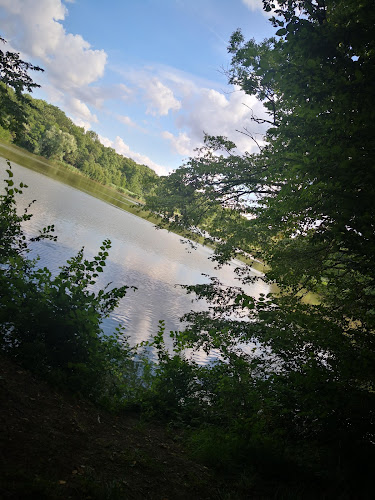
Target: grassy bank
<point>67,174</point>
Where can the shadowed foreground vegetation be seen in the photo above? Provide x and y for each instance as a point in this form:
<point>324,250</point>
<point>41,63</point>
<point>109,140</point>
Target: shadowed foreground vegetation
<point>293,416</point>
<point>58,446</point>
<point>79,435</point>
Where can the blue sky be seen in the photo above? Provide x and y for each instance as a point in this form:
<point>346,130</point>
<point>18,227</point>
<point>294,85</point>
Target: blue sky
<point>146,75</point>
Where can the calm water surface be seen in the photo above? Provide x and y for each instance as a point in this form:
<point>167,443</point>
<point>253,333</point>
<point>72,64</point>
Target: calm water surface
<point>152,260</point>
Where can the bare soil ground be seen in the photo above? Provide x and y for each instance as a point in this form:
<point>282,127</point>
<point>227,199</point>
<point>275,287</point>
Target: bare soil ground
<point>56,446</point>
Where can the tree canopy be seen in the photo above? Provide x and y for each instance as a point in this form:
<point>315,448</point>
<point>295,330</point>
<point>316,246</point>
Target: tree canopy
<point>48,132</point>
<point>14,77</point>
<point>44,129</point>
<point>304,202</point>
<point>304,205</point>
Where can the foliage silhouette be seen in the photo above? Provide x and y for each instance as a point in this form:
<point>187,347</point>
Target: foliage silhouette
<point>14,80</point>
<point>303,205</point>
<point>52,324</point>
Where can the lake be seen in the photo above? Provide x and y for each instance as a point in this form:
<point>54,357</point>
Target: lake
<point>152,260</point>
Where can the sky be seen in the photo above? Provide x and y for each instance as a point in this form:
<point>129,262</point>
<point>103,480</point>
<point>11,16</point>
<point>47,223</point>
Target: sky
<point>147,75</point>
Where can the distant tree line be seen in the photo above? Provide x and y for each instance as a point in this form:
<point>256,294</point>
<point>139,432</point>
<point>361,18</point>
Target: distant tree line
<point>45,130</point>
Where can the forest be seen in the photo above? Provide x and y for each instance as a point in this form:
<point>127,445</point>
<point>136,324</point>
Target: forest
<point>45,130</point>
<point>293,416</point>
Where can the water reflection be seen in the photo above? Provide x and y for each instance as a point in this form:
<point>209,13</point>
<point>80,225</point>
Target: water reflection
<point>154,261</point>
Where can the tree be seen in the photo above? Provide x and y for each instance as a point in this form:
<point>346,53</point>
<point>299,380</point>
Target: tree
<point>14,80</point>
<point>57,144</point>
<point>303,205</point>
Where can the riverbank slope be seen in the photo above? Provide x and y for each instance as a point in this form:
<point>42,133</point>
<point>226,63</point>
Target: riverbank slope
<point>57,446</point>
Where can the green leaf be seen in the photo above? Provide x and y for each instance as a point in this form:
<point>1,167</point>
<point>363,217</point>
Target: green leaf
<point>281,32</point>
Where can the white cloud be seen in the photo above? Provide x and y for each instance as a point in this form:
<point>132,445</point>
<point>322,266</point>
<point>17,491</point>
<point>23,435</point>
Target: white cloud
<point>257,5</point>
<point>126,92</point>
<point>160,98</point>
<point>68,59</point>
<point>35,27</point>
<point>75,64</point>
<point>53,94</point>
<point>182,83</point>
<point>79,110</point>
<point>82,123</point>
<point>178,82</point>
<point>200,109</point>
<point>214,113</point>
<point>105,141</point>
<point>75,108</point>
<point>70,64</point>
<point>182,143</point>
<point>123,149</point>
<point>126,120</point>
<point>253,4</point>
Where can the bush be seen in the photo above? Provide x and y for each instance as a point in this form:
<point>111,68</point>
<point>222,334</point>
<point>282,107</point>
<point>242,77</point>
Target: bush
<point>52,324</point>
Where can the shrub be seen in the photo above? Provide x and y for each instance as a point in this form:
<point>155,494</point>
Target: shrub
<point>52,324</point>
